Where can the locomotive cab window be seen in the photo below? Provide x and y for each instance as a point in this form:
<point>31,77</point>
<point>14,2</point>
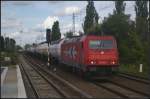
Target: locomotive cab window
<point>101,44</point>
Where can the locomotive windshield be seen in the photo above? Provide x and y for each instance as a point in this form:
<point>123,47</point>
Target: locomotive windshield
<point>101,44</point>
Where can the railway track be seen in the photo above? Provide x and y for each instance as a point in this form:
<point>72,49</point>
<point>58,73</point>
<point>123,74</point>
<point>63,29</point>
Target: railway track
<point>132,85</point>
<point>65,87</point>
<point>90,89</point>
<point>40,85</point>
<point>28,84</point>
<point>121,90</point>
<point>127,86</point>
<point>135,78</point>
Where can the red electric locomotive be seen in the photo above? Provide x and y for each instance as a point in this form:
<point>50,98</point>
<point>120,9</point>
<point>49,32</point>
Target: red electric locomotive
<point>90,55</point>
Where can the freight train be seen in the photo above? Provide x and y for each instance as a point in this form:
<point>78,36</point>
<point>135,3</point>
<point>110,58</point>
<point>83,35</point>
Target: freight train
<point>88,55</point>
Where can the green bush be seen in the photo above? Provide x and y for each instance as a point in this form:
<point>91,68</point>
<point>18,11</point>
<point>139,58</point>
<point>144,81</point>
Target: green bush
<point>13,57</point>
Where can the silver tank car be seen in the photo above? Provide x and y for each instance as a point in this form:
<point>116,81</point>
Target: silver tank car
<point>55,49</point>
<point>31,49</point>
<point>42,49</point>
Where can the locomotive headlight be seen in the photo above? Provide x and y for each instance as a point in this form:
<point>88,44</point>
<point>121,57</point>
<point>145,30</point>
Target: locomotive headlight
<point>102,52</point>
<point>92,62</point>
<point>113,62</point>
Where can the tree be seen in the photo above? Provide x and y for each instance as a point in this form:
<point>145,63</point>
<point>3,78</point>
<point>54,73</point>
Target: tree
<point>7,44</point>
<point>56,31</point>
<point>142,19</point>
<point>1,43</point>
<point>132,51</point>
<point>142,26</point>
<point>69,34</point>
<point>120,7</point>
<point>119,25</point>
<point>12,44</point>
<point>91,18</point>
<point>27,46</point>
<point>18,47</point>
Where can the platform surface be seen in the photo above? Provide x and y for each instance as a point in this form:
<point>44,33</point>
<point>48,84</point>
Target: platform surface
<point>2,69</point>
<point>12,86</point>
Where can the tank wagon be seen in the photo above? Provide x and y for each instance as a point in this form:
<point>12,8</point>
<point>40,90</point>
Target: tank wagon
<point>42,49</point>
<point>55,50</point>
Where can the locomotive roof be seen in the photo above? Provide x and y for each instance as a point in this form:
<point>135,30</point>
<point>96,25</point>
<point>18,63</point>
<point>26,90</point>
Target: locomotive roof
<point>81,38</point>
<point>73,39</point>
<point>104,36</point>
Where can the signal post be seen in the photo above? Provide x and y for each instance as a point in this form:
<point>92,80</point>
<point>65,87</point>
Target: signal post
<point>48,40</point>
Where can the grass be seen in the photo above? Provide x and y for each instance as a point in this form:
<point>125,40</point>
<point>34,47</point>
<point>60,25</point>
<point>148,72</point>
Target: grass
<point>134,70</point>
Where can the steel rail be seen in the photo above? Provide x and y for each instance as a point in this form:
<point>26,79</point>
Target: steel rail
<point>132,77</point>
<point>83,94</point>
<point>65,95</point>
<point>111,90</point>
<point>131,89</point>
<point>30,81</point>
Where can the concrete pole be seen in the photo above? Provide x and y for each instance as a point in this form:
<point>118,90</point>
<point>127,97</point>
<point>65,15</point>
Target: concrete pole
<point>141,68</point>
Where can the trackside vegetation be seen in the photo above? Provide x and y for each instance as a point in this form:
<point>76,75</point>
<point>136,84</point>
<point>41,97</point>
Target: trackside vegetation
<point>133,37</point>
<point>8,51</point>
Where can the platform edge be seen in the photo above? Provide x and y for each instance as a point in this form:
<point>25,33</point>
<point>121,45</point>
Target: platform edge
<point>20,85</point>
<point>3,75</point>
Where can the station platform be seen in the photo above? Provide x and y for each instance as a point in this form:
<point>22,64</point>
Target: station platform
<point>12,85</point>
